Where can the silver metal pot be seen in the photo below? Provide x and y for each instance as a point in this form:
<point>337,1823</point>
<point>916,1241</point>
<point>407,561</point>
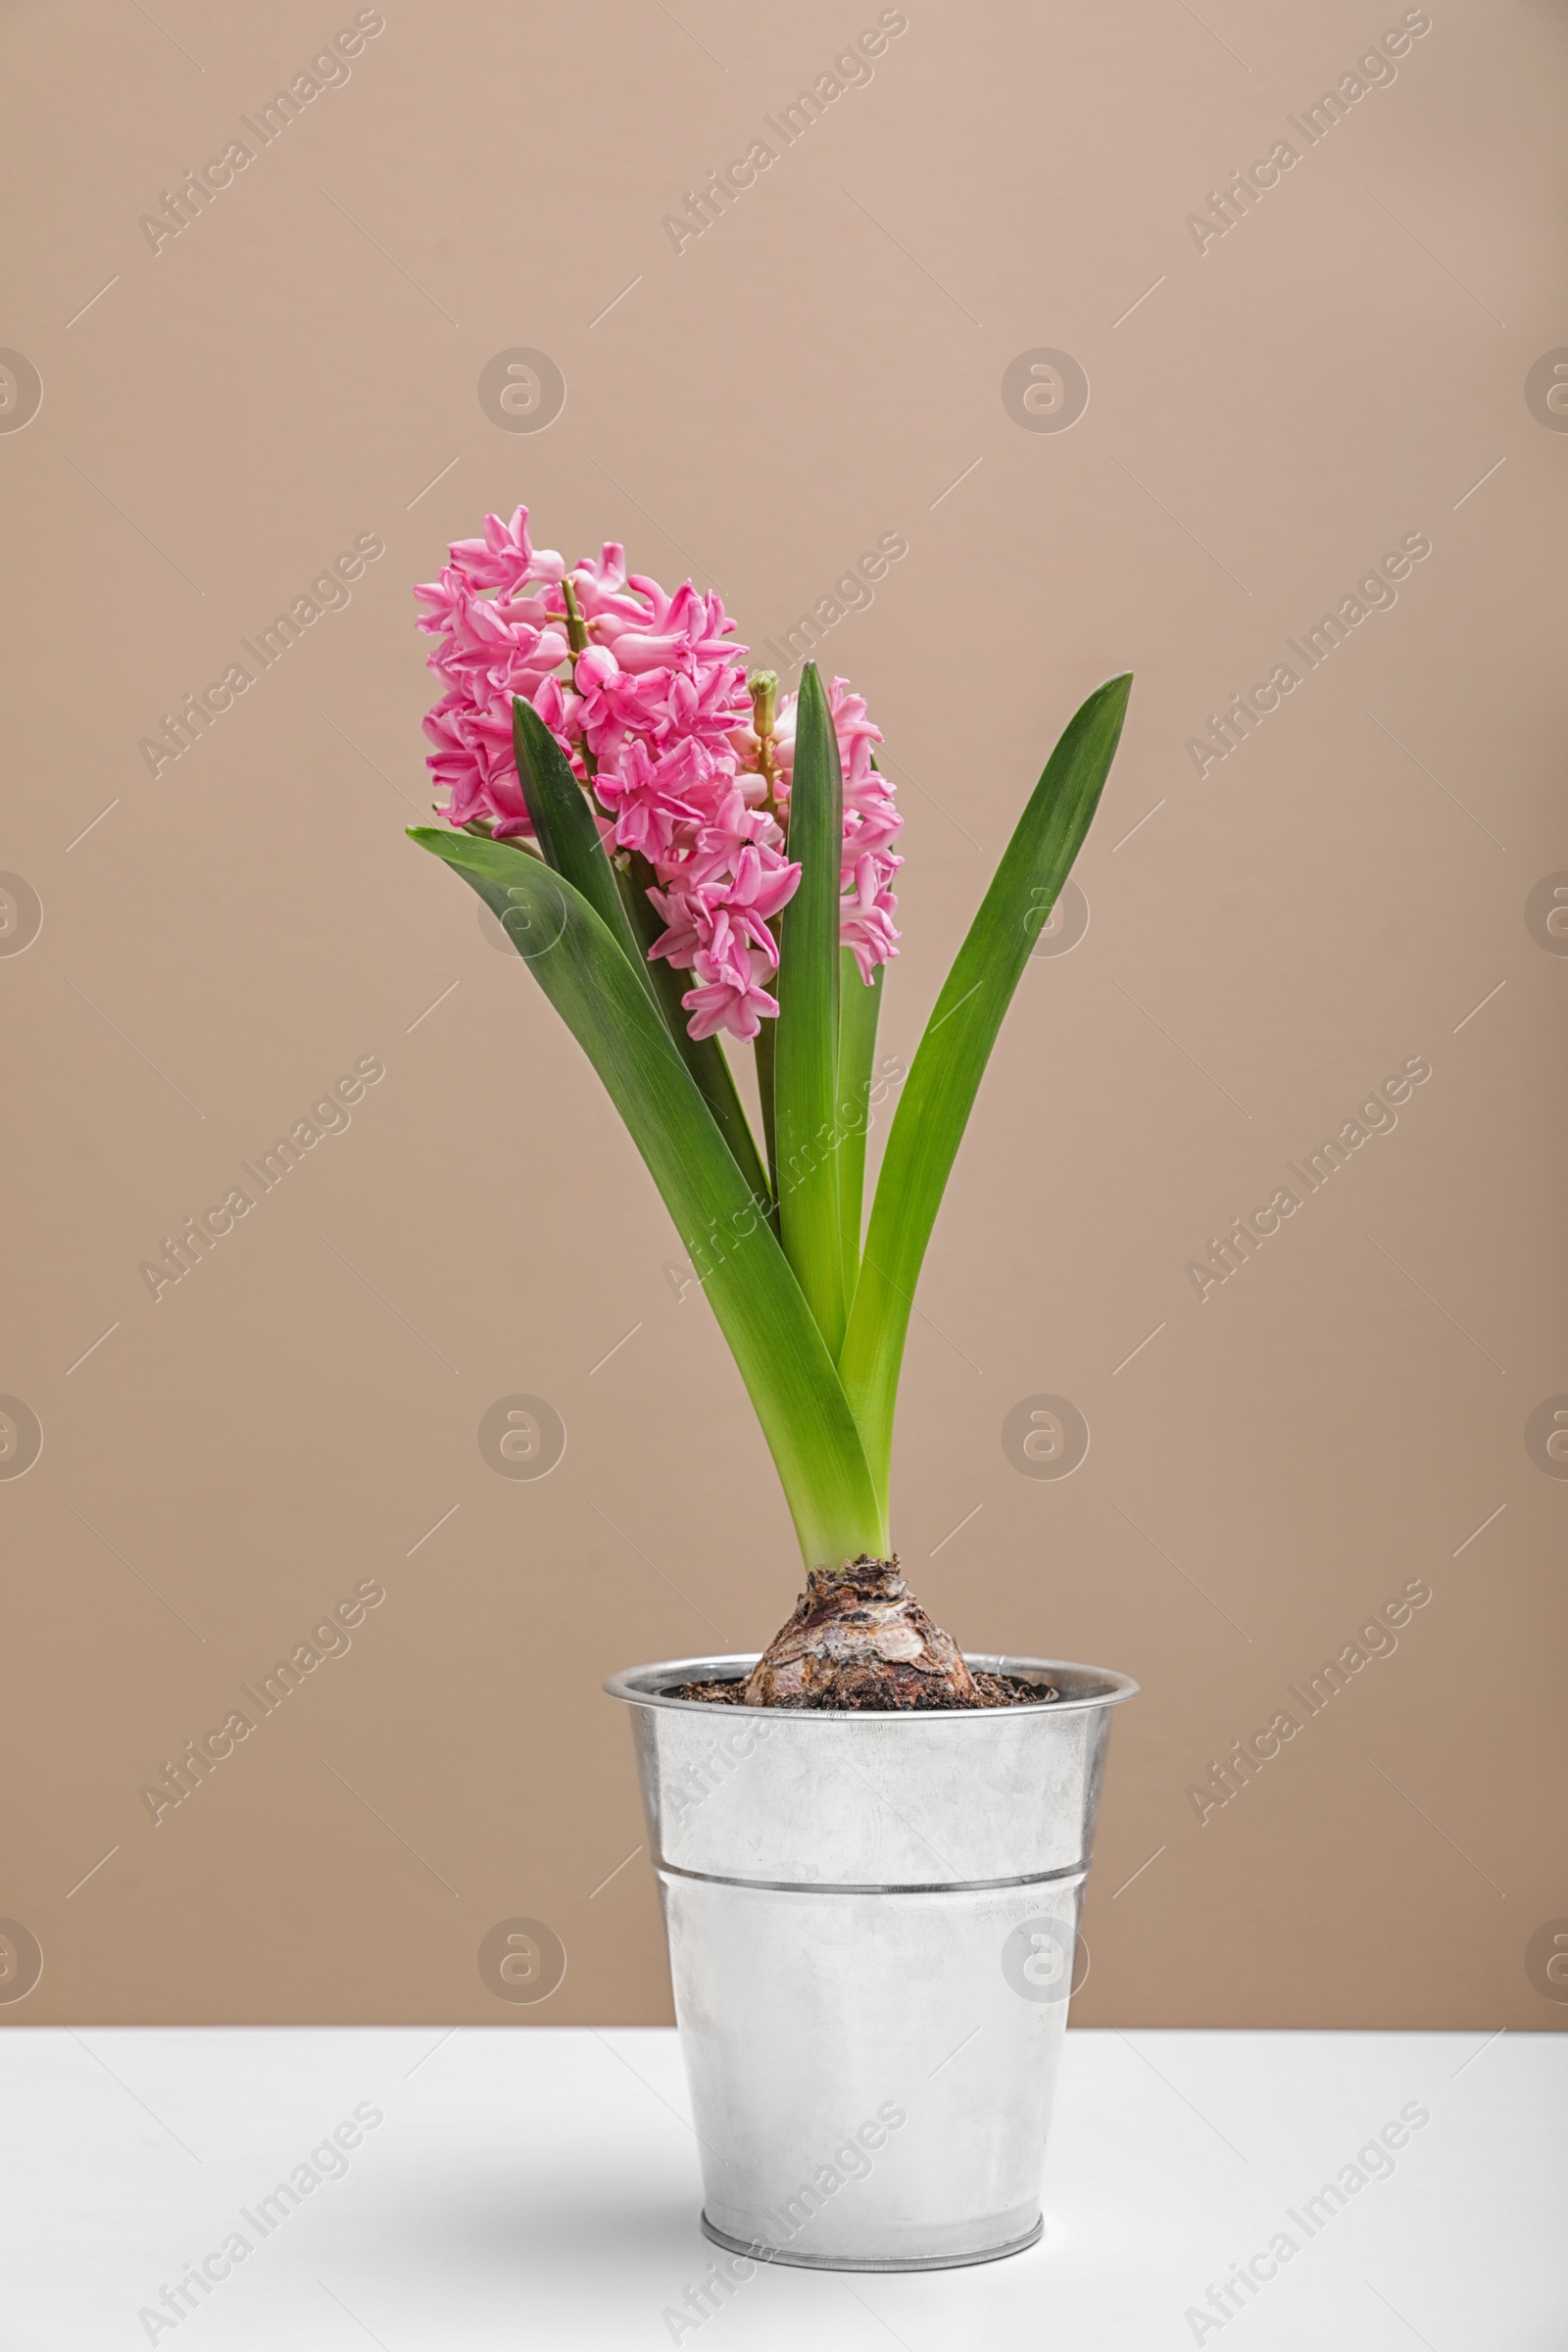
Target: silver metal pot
<point>872,1924</point>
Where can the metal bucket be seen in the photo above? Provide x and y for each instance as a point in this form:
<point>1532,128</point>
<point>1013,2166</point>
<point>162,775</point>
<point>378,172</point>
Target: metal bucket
<point>872,1924</point>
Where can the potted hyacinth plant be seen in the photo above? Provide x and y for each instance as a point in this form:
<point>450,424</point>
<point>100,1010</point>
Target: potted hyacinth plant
<point>866,1840</point>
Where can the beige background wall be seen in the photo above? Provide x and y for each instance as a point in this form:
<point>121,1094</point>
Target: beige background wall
<point>1267,418</point>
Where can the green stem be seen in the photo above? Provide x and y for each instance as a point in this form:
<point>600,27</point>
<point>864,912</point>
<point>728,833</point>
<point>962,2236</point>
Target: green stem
<point>577,626</point>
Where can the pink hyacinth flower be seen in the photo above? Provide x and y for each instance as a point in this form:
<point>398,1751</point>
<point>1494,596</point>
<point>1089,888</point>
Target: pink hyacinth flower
<point>655,718</point>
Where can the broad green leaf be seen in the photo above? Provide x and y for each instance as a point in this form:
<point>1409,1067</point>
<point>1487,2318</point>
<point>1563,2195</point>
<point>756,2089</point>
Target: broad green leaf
<point>945,1075</point>
<point>859,1006</point>
<point>805,1051</point>
<point>571,844</point>
<point>722,1224</point>
<point>564,827</point>
<point>705,1058</point>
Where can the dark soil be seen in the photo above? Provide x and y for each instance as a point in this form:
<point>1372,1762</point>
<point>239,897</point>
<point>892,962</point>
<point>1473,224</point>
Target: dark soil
<point>996,1690</point>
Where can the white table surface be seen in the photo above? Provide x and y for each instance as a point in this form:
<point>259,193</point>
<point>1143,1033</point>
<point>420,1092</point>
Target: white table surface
<point>539,2188</point>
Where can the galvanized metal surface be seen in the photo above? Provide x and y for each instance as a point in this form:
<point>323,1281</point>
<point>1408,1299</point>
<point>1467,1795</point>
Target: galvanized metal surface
<point>872,1924</point>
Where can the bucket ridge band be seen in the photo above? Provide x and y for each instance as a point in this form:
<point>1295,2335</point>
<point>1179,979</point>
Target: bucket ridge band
<point>1029,1878</point>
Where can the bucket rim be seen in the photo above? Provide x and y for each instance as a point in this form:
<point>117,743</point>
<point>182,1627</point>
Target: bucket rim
<point>1095,1686</point>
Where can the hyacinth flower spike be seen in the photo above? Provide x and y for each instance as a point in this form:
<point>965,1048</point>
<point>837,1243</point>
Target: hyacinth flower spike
<point>679,854</point>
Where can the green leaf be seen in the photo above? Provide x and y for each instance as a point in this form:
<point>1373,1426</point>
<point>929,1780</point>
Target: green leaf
<point>564,827</point>
<point>572,846</point>
<point>945,1075</point>
<point>763,1045</point>
<point>705,1058</point>
<point>807,1047</point>
<point>722,1224</point>
<point>859,1006</point>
